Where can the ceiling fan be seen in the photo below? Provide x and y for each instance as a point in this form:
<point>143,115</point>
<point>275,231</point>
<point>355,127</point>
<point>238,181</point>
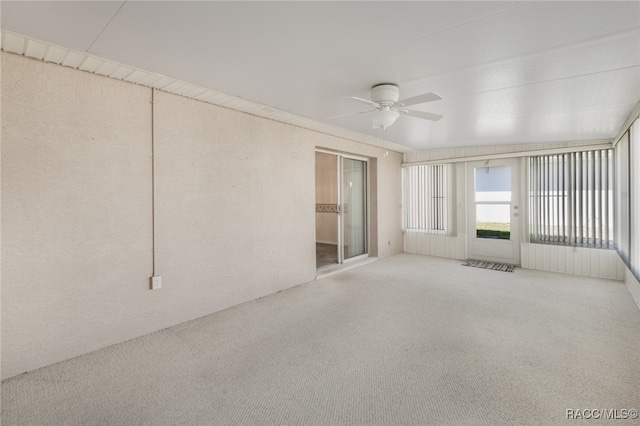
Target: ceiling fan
<point>387,107</point>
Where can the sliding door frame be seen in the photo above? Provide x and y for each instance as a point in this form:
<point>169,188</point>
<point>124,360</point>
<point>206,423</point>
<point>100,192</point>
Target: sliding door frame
<point>340,156</point>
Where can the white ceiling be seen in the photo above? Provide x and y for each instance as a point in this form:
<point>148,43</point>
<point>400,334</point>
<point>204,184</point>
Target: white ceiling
<point>508,72</point>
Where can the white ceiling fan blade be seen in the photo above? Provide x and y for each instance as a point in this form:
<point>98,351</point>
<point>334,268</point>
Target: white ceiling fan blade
<point>333,117</point>
<point>375,104</point>
<point>424,115</point>
<point>420,99</point>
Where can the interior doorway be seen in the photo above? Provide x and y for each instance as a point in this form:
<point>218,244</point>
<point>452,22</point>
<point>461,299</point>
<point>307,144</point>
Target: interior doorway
<point>341,208</point>
<point>494,213</point>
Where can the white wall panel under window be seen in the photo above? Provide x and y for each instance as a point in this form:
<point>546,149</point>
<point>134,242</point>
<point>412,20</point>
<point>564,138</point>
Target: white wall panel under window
<point>588,262</point>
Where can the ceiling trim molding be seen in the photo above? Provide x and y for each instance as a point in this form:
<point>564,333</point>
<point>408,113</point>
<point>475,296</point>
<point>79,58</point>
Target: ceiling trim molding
<point>459,155</point>
<point>19,44</point>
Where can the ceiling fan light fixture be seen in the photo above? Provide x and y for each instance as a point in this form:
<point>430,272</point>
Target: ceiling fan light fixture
<point>387,106</point>
<point>384,118</point>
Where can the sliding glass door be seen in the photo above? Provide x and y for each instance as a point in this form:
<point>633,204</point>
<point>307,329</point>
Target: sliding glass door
<point>341,208</point>
<point>354,208</point>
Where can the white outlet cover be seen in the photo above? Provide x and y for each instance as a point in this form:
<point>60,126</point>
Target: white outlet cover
<point>156,282</point>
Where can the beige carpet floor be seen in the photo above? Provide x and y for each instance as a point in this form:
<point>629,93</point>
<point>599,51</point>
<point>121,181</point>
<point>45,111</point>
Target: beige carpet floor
<point>404,340</point>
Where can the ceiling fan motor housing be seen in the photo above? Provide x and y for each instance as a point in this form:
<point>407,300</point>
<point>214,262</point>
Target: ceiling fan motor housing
<point>385,93</point>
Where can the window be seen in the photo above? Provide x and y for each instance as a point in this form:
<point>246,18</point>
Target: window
<point>571,198</point>
<point>426,198</point>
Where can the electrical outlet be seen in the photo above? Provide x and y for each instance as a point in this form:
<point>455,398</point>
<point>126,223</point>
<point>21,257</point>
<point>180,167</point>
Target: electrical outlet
<point>156,282</point>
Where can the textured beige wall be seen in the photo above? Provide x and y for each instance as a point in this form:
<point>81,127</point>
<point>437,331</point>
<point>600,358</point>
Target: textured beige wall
<point>234,194</point>
<point>76,221</point>
<point>235,210</point>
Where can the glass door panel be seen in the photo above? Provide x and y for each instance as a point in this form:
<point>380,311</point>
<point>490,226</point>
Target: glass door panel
<point>354,208</point>
<point>327,201</point>
<point>493,202</point>
<point>493,221</point>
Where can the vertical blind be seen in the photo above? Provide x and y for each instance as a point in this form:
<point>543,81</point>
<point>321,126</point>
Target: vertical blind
<point>425,198</point>
<point>571,198</point>
<point>627,152</point>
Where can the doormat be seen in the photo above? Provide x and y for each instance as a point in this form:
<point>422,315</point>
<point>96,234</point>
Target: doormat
<point>504,267</point>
